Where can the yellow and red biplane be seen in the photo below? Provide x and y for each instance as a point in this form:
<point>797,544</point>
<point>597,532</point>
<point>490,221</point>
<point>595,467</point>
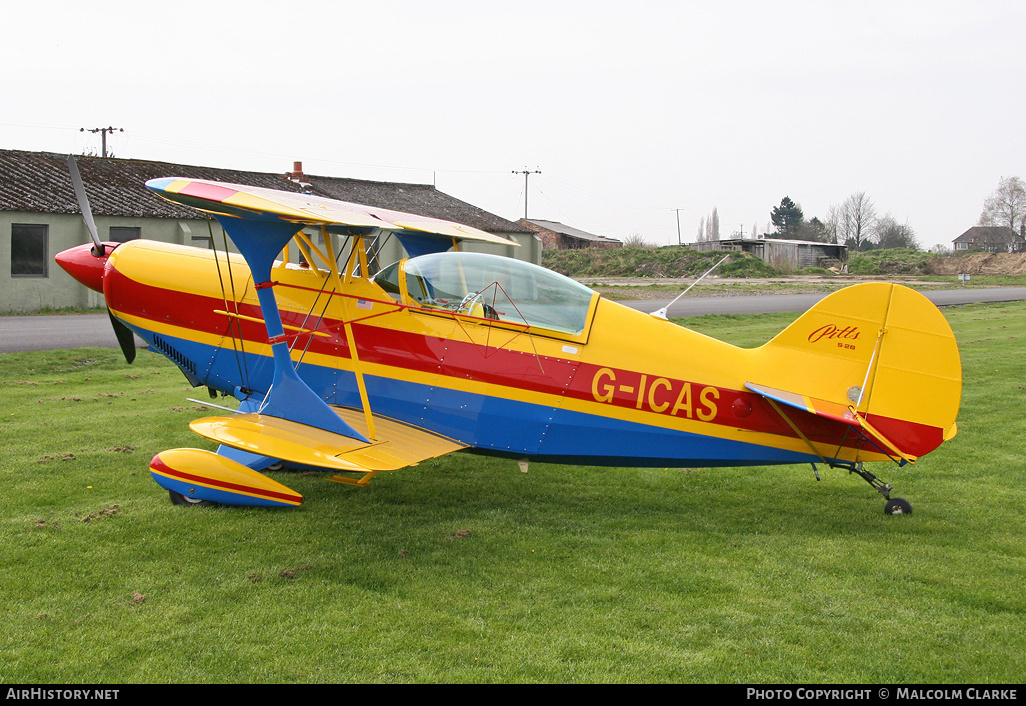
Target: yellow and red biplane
<point>337,368</point>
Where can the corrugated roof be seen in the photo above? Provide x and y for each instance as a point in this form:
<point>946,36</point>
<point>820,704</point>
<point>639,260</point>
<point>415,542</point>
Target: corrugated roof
<point>38,182</point>
<point>778,240</point>
<point>557,227</point>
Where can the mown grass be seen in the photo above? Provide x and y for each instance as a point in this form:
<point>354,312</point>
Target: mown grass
<point>979,280</point>
<point>464,570</point>
<point>57,311</point>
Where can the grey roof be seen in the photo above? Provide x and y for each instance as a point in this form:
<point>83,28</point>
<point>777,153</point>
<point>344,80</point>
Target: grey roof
<point>779,240</point>
<point>557,227</point>
<point>422,199</point>
<point>988,234</point>
<point>38,182</point>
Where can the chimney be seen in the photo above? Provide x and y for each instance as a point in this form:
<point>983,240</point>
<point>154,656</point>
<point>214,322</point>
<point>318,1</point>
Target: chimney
<point>296,174</point>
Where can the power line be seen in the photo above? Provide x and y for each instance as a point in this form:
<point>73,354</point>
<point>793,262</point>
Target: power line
<point>584,193</point>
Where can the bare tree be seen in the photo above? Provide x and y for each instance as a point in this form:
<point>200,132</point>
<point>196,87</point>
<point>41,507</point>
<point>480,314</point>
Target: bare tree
<point>833,222</point>
<point>891,234</point>
<point>635,240</point>
<point>1007,205</point>
<point>857,221</point>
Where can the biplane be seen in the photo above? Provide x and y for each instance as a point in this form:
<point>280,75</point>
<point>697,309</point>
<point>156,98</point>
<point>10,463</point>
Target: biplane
<point>342,366</point>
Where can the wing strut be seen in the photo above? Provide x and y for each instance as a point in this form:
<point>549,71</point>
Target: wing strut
<point>347,320</point>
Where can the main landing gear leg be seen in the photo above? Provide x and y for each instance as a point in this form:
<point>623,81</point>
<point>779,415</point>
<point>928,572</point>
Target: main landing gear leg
<point>894,506</point>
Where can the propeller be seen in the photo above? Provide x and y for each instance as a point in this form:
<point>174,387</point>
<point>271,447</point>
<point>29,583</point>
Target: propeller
<point>83,205</point>
<point>126,339</point>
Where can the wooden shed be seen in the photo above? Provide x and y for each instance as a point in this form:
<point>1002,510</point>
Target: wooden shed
<point>783,254</point>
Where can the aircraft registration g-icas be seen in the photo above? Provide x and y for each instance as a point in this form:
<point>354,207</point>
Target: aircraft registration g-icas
<point>339,369</point>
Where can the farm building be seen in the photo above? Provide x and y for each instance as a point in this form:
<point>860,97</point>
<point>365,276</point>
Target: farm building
<point>990,239</point>
<point>555,235</point>
<point>783,254</point>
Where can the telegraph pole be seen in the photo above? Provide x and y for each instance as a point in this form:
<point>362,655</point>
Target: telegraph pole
<point>526,173</point>
<point>678,210</point>
<point>103,132</point>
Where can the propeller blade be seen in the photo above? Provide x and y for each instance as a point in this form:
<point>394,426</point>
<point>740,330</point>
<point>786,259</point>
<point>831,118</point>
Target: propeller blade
<point>126,339</point>
<point>83,204</point>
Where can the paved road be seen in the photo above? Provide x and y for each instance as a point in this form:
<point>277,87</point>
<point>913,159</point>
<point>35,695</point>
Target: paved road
<point>39,333</point>
<point>772,303</point>
<point>44,333</point>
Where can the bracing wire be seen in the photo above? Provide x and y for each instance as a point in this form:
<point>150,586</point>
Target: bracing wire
<point>243,373</point>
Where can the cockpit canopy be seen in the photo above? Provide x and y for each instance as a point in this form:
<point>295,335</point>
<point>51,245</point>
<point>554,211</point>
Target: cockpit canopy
<point>490,287</point>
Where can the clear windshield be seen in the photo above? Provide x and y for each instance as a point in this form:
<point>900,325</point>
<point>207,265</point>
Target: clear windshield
<point>500,288</point>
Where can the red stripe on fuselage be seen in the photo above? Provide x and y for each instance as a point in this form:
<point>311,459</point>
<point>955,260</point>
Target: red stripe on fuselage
<point>463,360</point>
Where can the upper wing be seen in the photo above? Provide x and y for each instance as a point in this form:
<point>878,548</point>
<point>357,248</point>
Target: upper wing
<point>255,203</point>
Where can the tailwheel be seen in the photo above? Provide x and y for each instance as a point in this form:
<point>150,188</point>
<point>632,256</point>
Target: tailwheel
<point>894,506</point>
<point>898,506</point>
<point>179,499</point>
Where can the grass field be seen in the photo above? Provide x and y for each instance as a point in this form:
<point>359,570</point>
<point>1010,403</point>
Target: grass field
<point>465,570</point>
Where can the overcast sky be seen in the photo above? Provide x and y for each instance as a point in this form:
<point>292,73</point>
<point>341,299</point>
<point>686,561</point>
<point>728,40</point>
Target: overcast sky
<point>628,109</point>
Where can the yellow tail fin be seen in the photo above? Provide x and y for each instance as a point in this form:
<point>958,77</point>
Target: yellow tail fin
<point>884,350</point>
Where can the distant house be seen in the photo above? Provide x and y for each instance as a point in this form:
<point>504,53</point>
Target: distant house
<point>783,254</point>
<point>39,216</point>
<point>989,239</point>
<point>557,236</point>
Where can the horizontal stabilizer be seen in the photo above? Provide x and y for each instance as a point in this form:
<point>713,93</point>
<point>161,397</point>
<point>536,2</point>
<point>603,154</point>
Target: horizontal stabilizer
<point>399,445</point>
<point>830,410</point>
<point>821,408</point>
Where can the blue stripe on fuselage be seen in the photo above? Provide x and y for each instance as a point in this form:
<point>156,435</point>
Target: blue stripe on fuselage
<point>493,424</point>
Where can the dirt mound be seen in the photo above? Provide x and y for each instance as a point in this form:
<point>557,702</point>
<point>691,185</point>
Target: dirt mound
<point>979,264</point>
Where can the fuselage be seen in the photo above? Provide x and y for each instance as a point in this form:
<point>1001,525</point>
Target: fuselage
<point>626,389</point>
